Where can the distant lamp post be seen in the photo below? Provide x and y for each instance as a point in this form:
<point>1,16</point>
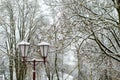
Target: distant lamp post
<point>43,47</point>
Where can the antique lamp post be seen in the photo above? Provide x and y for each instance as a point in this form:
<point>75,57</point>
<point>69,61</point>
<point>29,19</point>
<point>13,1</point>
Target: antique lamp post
<point>24,47</point>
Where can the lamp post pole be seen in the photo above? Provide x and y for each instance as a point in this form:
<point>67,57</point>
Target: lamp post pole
<point>43,46</point>
<point>34,76</point>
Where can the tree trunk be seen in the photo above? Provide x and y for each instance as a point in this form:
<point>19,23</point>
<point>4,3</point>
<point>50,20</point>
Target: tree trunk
<point>11,68</point>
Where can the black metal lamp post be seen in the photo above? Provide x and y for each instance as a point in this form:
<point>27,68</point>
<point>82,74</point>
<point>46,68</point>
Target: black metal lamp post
<point>43,46</point>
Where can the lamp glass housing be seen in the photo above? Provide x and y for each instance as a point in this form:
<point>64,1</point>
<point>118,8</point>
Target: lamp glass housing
<point>23,47</point>
<point>44,47</point>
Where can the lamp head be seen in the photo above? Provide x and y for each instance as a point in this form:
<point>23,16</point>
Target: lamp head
<point>44,47</point>
<point>23,47</point>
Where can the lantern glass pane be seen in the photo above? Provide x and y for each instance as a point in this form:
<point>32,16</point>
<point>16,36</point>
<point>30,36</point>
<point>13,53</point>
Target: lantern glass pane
<point>22,50</point>
<point>45,51</point>
<point>26,50</point>
<point>42,50</point>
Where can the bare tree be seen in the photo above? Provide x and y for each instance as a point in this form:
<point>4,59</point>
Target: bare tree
<point>95,20</point>
<point>19,19</point>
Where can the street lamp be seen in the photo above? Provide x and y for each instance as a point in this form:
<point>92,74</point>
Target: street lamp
<point>43,47</point>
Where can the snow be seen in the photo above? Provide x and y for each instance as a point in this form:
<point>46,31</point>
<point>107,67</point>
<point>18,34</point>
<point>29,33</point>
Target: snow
<point>43,43</point>
<point>65,76</point>
<point>69,58</point>
<point>24,43</point>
